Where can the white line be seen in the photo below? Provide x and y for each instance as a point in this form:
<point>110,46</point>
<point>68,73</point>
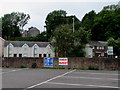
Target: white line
<point>81,85</point>
<point>49,80</point>
<point>90,78</point>
<point>97,73</point>
<point>13,71</point>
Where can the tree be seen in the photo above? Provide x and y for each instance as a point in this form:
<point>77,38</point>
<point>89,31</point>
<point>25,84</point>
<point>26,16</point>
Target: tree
<point>106,24</point>
<point>81,37</point>
<point>53,20</point>
<point>40,37</point>
<point>62,40</point>
<point>56,18</point>
<point>88,20</point>
<point>13,23</point>
<point>68,43</point>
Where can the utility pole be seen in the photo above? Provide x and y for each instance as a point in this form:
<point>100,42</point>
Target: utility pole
<point>73,25</point>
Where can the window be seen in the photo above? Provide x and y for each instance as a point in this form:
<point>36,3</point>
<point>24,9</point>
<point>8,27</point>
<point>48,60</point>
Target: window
<point>48,55</point>
<point>102,47</point>
<point>40,55</point>
<point>35,55</point>
<point>15,55</point>
<point>93,54</point>
<point>44,55</point>
<point>25,47</point>
<point>25,54</point>
<point>20,55</point>
<point>97,47</point>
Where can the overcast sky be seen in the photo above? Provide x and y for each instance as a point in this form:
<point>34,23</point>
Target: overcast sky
<point>38,10</point>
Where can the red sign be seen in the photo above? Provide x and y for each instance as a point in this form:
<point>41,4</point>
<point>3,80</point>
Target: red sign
<point>63,61</point>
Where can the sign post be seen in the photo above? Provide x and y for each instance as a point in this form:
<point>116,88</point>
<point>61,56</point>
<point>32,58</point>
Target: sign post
<point>48,62</point>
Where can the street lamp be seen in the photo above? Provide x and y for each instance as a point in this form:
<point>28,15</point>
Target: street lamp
<point>73,24</point>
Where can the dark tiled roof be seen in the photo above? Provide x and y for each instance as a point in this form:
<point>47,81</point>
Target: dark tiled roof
<point>98,43</point>
<point>29,43</point>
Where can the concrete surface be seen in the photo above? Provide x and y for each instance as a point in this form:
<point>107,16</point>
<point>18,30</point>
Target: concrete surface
<point>27,79</point>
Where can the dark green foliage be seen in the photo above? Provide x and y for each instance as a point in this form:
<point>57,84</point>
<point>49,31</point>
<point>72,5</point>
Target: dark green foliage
<point>7,66</point>
<point>34,65</point>
<point>88,20</point>
<point>114,69</point>
<point>106,25</point>
<point>41,37</point>
<point>93,68</point>
<point>13,23</point>
<point>22,66</point>
<point>68,43</point>
<point>56,18</point>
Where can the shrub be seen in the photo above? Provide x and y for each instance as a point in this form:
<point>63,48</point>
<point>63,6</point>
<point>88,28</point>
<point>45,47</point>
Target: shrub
<point>34,65</point>
<point>114,69</point>
<point>22,66</point>
<point>93,68</point>
<point>7,66</point>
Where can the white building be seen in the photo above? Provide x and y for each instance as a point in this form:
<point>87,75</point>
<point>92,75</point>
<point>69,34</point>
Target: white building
<point>32,32</point>
<point>1,46</point>
<point>28,49</point>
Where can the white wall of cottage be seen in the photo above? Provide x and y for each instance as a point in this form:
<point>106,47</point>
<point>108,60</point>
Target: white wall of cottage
<point>27,51</point>
<point>89,51</point>
<point>1,46</point>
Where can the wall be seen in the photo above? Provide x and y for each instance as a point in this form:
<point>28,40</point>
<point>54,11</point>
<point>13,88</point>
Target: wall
<point>29,51</point>
<point>89,51</point>
<point>103,63</point>
<point>33,32</point>
<point>1,46</point>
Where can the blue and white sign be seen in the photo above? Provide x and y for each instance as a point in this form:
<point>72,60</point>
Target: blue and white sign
<point>48,62</point>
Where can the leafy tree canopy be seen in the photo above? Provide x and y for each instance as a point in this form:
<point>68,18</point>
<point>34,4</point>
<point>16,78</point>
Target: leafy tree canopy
<point>67,42</point>
<point>57,18</point>
<point>106,24</point>
<point>13,23</point>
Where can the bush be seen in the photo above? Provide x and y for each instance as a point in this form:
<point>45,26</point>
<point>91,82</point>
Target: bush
<point>22,66</point>
<point>34,65</point>
<point>82,69</point>
<point>93,68</point>
<point>7,66</point>
<point>114,69</point>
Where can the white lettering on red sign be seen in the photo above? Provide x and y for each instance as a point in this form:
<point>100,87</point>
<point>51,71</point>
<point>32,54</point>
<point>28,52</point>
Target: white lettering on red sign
<point>63,61</point>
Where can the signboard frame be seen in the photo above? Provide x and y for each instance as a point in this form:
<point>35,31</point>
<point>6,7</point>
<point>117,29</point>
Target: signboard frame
<point>110,50</point>
<point>48,62</point>
<point>63,61</point>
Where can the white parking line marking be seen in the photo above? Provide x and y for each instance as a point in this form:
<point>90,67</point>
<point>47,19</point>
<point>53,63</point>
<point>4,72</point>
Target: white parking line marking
<point>91,78</point>
<point>82,85</point>
<point>13,71</point>
<point>49,80</point>
<point>97,73</point>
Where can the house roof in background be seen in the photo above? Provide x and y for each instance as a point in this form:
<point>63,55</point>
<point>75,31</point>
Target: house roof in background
<point>98,43</point>
<point>29,43</point>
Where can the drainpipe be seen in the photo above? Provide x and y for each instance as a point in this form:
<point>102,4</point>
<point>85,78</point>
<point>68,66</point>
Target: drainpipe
<point>34,51</point>
<point>8,50</point>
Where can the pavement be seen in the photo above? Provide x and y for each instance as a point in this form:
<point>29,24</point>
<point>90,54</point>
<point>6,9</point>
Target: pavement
<point>29,79</point>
